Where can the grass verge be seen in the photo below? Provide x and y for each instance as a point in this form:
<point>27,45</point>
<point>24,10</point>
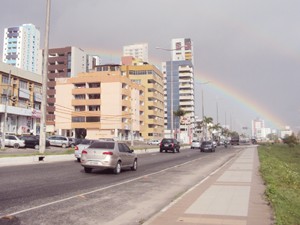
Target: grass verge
<point>280,169</point>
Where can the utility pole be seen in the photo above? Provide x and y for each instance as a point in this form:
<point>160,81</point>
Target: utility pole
<point>44,83</point>
<point>5,111</point>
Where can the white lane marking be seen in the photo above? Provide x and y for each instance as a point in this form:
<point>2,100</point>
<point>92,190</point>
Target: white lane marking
<point>100,189</point>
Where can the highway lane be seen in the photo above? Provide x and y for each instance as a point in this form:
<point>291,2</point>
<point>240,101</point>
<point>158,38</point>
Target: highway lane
<point>60,185</point>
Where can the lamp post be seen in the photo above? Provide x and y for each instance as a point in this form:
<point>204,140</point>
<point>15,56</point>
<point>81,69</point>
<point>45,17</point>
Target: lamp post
<point>171,86</point>
<point>202,97</point>
<point>44,83</point>
<point>5,111</point>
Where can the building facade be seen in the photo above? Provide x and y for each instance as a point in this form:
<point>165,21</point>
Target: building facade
<point>138,51</point>
<point>21,47</point>
<point>21,96</point>
<point>100,104</point>
<point>179,89</point>
<point>63,63</point>
<point>152,79</point>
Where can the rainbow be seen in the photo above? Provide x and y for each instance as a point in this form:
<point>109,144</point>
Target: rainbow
<point>240,98</point>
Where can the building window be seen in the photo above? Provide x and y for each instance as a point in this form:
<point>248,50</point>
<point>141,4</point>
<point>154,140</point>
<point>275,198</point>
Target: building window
<point>79,108</point>
<point>80,96</point>
<point>94,96</point>
<point>94,108</point>
<point>5,79</point>
<point>78,119</point>
<point>93,119</point>
<point>23,84</point>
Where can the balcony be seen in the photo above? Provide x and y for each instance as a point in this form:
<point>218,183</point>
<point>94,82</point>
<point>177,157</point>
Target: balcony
<point>76,91</point>
<point>86,125</point>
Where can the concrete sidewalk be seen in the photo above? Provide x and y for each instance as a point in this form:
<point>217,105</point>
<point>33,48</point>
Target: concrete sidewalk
<point>232,195</point>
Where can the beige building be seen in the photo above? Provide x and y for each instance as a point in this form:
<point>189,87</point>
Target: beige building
<point>100,104</point>
<point>21,96</point>
<point>152,79</point>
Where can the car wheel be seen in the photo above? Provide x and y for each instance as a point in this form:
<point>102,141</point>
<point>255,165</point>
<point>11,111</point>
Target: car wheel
<point>134,165</point>
<point>64,145</point>
<point>174,150</point>
<point>78,160</point>
<point>160,150</point>
<point>178,150</point>
<point>87,170</point>
<point>117,169</point>
<point>36,147</point>
<point>16,145</point>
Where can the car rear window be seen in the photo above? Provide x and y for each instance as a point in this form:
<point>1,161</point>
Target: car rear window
<point>103,145</point>
<point>167,141</point>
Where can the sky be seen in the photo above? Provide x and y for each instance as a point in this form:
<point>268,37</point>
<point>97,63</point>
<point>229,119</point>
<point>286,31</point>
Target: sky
<point>247,51</point>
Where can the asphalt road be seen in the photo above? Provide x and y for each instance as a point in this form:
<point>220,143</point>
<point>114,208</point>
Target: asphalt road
<point>61,193</point>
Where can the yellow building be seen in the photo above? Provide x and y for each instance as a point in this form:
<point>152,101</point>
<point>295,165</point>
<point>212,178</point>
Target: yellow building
<point>100,104</point>
<point>152,79</point>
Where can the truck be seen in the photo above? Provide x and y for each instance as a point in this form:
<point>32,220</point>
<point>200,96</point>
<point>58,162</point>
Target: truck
<point>235,140</point>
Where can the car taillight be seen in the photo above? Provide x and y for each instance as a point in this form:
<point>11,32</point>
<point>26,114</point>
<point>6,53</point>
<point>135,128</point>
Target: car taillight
<point>84,152</point>
<point>76,148</point>
<point>107,153</point>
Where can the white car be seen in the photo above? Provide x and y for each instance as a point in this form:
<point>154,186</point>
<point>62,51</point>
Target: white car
<point>154,142</point>
<point>80,147</point>
<point>195,144</point>
<point>14,141</point>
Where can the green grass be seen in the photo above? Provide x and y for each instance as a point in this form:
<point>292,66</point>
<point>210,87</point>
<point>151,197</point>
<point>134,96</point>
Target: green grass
<point>280,169</point>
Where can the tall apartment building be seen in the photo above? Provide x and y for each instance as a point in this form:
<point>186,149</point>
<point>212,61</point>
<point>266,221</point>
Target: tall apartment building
<point>179,88</point>
<point>63,62</point>
<point>138,51</point>
<point>258,127</point>
<point>23,90</point>
<point>21,47</point>
<point>152,79</point>
<point>100,104</point>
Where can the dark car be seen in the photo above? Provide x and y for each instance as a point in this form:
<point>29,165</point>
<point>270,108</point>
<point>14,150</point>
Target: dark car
<point>75,141</point>
<point>207,146</point>
<point>169,144</point>
<point>33,142</point>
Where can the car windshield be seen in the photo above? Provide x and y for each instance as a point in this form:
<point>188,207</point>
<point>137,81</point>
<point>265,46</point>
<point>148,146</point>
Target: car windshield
<point>103,145</point>
<point>206,143</point>
<point>167,141</point>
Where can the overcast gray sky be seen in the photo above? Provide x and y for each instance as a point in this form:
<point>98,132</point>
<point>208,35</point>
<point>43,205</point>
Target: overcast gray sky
<point>248,50</point>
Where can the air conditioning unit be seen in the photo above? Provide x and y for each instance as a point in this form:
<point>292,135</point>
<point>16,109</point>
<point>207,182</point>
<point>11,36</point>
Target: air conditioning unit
<point>30,86</point>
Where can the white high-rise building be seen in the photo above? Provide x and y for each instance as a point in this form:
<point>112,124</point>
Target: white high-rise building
<point>179,89</point>
<point>138,51</point>
<point>183,49</point>
<point>21,47</point>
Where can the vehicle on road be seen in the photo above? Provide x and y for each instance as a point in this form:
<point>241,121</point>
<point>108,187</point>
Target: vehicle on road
<point>154,142</point>
<point>235,140</point>
<point>13,141</point>
<point>169,144</point>
<point>59,141</point>
<point>85,143</point>
<point>108,155</point>
<point>33,141</point>
<point>207,146</point>
<point>195,144</point>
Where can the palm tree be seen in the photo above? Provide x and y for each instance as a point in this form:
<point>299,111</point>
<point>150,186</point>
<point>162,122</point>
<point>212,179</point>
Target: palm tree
<point>178,114</point>
<point>205,122</point>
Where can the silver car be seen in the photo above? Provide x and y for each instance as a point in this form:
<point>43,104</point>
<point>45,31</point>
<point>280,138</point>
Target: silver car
<point>108,155</point>
<point>59,141</point>
<point>195,144</point>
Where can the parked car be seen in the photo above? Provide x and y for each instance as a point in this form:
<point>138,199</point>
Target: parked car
<point>215,144</point>
<point>59,141</point>
<point>33,141</point>
<point>207,146</point>
<point>13,141</point>
<point>169,144</point>
<point>195,144</point>
<point>108,155</point>
<point>85,143</point>
<point>154,142</point>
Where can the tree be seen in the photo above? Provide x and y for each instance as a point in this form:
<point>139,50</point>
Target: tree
<point>178,114</point>
<point>291,140</point>
<point>205,122</point>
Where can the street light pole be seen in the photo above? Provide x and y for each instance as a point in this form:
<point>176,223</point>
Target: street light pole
<point>202,94</point>
<point>44,83</point>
